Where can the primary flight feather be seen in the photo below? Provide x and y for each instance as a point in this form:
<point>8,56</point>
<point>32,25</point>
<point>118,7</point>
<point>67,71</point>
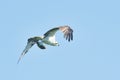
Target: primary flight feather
<point>48,38</point>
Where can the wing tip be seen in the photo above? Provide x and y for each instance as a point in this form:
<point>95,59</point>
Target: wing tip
<point>68,33</point>
<point>19,59</point>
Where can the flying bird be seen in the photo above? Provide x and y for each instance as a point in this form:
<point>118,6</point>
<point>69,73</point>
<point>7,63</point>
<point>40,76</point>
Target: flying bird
<point>48,38</point>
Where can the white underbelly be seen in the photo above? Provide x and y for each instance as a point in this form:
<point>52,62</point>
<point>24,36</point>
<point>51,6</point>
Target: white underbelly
<point>50,41</point>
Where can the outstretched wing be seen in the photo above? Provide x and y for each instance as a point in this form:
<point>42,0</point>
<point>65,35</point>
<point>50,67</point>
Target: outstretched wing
<point>28,46</point>
<point>68,32</point>
<point>51,32</point>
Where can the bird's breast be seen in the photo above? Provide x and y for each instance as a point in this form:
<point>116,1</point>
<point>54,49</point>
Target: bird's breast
<point>50,41</point>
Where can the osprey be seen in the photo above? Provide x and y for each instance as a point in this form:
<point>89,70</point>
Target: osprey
<point>48,38</point>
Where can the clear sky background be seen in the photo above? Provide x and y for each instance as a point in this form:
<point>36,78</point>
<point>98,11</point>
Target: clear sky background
<point>94,54</point>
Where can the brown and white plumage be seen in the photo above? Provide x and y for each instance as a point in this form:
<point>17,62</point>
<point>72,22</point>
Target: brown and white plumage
<point>48,38</point>
<point>68,32</point>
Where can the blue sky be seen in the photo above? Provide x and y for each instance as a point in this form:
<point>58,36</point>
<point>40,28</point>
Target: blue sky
<point>94,54</point>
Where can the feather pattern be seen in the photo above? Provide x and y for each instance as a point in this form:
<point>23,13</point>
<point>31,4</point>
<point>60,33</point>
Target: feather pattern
<point>68,32</point>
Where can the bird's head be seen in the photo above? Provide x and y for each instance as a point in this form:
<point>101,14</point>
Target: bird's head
<point>57,44</point>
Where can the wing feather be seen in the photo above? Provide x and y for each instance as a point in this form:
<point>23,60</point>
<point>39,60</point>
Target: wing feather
<point>28,46</point>
<point>68,32</point>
